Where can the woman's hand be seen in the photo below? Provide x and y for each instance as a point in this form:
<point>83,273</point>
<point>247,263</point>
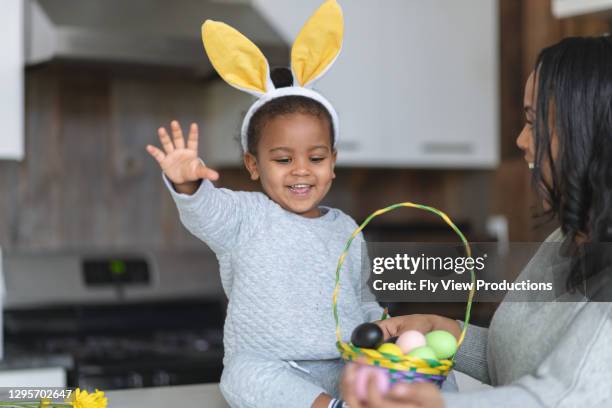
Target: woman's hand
<point>424,323</point>
<point>419,395</point>
<point>181,163</point>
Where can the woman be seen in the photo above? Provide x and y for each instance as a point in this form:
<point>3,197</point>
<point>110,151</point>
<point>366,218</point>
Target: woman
<point>545,354</point>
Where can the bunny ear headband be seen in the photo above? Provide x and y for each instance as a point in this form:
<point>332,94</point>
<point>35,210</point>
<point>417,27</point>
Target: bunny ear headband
<point>242,65</point>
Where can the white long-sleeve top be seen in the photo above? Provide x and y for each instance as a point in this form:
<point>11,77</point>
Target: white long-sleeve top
<point>278,272</point>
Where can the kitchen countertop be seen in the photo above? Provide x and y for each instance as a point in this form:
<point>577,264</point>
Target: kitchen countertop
<point>199,395</point>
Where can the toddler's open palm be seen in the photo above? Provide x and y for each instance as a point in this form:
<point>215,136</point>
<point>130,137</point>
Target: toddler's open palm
<point>181,163</point>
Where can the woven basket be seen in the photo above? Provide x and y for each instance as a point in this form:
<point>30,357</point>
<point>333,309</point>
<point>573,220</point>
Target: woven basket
<point>404,368</point>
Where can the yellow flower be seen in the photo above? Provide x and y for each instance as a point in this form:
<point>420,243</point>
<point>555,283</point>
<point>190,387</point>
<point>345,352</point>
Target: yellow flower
<point>83,399</point>
<point>45,402</point>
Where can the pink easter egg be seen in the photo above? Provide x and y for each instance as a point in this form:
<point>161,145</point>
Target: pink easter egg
<point>410,340</point>
<point>381,379</point>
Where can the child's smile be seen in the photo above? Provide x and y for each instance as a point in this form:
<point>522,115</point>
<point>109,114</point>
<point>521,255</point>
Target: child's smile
<point>295,162</point>
<point>300,190</point>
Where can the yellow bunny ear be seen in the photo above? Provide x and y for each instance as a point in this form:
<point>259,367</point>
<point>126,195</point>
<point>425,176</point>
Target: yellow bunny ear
<point>318,44</point>
<point>239,62</point>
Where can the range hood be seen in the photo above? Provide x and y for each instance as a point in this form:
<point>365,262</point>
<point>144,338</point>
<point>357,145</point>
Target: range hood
<point>149,32</point>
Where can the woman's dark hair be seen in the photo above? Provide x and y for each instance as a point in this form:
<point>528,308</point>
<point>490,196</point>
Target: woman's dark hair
<point>284,105</point>
<point>574,97</point>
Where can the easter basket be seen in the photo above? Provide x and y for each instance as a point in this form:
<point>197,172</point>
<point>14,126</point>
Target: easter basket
<point>403,368</point>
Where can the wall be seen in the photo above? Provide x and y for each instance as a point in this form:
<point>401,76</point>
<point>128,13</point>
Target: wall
<point>85,129</point>
<point>87,181</point>
<point>527,26</point>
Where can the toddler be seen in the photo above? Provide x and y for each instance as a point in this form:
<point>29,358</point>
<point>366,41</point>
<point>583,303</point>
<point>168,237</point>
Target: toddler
<point>277,250</point>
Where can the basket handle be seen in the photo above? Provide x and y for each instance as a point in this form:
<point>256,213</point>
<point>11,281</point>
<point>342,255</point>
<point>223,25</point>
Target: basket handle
<point>375,214</point>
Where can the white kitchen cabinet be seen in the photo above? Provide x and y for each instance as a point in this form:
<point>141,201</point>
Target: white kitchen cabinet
<point>570,8</point>
<point>11,80</point>
<point>416,84</point>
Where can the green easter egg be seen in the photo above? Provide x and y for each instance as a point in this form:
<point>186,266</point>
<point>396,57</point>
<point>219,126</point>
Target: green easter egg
<point>390,348</point>
<point>424,352</point>
<point>442,342</point>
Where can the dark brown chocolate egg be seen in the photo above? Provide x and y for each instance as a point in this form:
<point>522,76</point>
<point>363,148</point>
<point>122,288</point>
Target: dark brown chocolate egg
<point>367,335</point>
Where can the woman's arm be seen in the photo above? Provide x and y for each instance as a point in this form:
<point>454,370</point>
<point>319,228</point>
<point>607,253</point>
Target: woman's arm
<point>576,373</point>
<point>471,357</point>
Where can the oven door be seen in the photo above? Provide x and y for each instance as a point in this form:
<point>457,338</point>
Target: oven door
<point>152,371</point>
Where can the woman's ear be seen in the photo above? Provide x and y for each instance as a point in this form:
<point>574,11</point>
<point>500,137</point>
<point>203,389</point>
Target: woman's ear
<point>334,157</point>
<point>250,162</point>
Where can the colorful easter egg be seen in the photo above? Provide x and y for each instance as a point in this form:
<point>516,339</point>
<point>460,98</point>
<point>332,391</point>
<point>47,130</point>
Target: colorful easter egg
<point>381,379</point>
<point>424,352</point>
<point>442,342</point>
<point>390,348</point>
<point>367,335</point>
<point>410,340</point>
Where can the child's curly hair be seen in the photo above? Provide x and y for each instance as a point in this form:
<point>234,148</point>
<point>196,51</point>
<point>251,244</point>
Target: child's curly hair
<point>284,105</point>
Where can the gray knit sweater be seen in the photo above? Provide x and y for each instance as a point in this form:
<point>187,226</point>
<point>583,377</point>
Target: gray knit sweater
<point>278,272</point>
<point>537,354</point>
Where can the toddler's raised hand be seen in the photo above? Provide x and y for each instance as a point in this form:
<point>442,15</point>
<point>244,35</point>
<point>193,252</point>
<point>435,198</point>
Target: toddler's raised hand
<point>181,164</point>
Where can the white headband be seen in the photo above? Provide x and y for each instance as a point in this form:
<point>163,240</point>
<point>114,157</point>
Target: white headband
<point>286,91</point>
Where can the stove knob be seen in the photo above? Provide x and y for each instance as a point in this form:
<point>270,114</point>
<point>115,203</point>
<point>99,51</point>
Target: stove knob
<point>135,380</point>
<point>161,378</point>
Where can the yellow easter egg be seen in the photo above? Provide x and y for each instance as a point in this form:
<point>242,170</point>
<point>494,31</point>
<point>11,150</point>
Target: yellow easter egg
<point>390,348</point>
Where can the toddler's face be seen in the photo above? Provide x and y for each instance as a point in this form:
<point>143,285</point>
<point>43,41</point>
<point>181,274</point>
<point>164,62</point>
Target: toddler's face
<point>295,162</point>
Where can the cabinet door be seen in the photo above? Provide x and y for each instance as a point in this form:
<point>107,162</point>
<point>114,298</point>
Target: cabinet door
<point>416,84</point>
<point>570,8</point>
<point>440,82</point>
<point>11,80</point>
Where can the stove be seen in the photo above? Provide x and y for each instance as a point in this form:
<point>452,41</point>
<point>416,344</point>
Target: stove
<point>125,320</point>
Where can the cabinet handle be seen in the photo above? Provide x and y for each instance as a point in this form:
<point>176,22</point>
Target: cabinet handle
<point>161,378</point>
<point>135,380</point>
<point>348,145</point>
<point>447,147</point>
